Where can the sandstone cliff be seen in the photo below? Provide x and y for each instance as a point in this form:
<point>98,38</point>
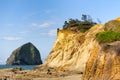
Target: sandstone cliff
<point>84,53</point>
<point>72,50</point>
<point>105,63</point>
<point>27,54</point>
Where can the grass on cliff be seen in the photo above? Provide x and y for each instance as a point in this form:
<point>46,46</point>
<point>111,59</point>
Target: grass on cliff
<point>108,36</point>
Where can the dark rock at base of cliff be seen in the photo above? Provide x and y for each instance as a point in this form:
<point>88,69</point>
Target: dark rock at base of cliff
<point>27,54</point>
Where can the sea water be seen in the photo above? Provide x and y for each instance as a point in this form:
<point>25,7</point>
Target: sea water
<point>24,67</point>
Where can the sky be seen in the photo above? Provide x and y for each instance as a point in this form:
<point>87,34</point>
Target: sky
<point>36,21</point>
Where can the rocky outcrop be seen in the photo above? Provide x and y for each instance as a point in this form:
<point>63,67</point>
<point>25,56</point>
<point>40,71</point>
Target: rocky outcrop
<point>82,52</point>
<point>113,25</point>
<point>72,50</point>
<point>104,64</point>
<point>27,54</point>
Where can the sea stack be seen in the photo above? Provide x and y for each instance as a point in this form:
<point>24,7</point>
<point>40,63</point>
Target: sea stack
<point>27,54</point>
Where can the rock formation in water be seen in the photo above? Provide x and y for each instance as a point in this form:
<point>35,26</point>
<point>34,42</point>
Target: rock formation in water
<point>83,52</point>
<point>27,54</point>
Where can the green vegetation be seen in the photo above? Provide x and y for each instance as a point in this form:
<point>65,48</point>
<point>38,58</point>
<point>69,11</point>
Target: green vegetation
<point>84,27</point>
<point>108,36</point>
<point>111,33</point>
<point>78,25</point>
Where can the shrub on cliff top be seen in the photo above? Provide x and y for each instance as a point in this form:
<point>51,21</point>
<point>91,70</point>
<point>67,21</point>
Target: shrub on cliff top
<point>108,36</point>
<point>79,25</point>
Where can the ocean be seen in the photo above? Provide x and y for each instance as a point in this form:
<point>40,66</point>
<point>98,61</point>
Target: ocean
<point>24,67</point>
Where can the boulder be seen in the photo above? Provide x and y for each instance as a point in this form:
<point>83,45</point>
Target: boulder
<point>27,54</point>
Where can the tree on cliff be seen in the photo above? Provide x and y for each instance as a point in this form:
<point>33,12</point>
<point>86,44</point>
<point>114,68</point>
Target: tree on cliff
<point>86,18</point>
<point>65,25</point>
<point>80,25</point>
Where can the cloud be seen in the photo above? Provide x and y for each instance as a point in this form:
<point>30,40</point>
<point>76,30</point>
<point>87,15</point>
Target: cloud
<point>12,38</point>
<point>10,24</point>
<point>24,32</point>
<point>42,25</point>
<point>47,11</point>
<point>51,32</point>
<point>38,13</point>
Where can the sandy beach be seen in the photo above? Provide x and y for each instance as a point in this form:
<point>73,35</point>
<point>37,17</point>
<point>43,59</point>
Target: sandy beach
<point>18,74</point>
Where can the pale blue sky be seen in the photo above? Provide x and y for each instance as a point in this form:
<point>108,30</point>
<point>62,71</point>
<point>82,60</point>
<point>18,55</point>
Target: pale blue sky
<point>36,21</point>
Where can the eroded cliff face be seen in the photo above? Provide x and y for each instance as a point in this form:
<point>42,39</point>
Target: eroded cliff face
<point>72,51</point>
<point>105,64</point>
<point>83,52</point>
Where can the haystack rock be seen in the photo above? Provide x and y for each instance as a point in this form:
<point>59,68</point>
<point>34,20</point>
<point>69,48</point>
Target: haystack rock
<point>83,52</point>
<point>27,54</point>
